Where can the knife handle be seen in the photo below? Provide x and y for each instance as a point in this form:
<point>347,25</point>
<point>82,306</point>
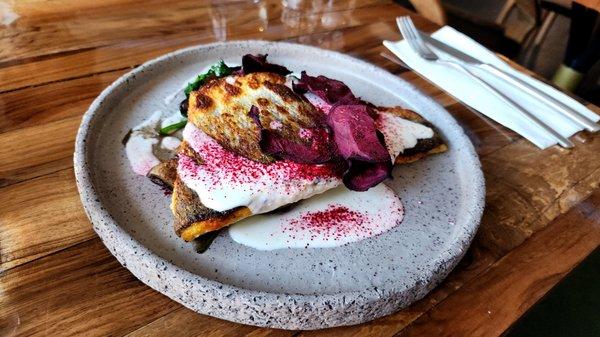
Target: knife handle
<point>546,99</point>
<point>562,141</point>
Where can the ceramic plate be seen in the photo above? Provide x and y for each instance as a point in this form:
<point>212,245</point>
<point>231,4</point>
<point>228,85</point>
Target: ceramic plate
<point>309,288</point>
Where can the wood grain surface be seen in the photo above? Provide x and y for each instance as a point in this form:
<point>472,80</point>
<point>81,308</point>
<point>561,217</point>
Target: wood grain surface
<point>543,207</point>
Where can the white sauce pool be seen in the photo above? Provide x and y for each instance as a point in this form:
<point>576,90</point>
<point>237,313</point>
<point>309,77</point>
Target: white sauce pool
<point>146,148</point>
<point>140,146</point>
<point>399,133</point>
<point>331,219</point>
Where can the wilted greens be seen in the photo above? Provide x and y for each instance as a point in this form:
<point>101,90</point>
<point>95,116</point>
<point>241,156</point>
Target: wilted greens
<point>169,129</point>
<point>203,242</point>
<point>218,69</point>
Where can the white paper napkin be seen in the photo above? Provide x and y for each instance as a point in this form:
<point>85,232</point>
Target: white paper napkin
<point>470,92</point>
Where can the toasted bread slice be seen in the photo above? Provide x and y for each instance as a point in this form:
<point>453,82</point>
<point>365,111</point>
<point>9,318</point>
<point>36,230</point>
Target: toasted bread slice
<point>220,109</point>
<point>193,219</point>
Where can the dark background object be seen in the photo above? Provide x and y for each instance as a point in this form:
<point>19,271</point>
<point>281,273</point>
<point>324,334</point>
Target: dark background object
<point>583,47</point>
<point>573,307</point>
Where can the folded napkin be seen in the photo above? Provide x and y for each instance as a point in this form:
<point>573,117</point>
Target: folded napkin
<point>465,89</point>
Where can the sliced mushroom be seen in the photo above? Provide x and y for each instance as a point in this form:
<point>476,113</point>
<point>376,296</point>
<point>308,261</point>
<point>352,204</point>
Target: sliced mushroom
<point>164,174</point>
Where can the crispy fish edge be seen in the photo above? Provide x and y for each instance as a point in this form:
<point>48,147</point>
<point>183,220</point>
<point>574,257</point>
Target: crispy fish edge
<point>193,219</point>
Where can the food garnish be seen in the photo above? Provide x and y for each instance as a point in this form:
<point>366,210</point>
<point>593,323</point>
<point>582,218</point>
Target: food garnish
<point>258,63</point>
<point>357,140</point>
<point>170,129</point>
<point>204,241</point>
<point>315,149</point>
<point>219,69</point>
<point>259,138</point>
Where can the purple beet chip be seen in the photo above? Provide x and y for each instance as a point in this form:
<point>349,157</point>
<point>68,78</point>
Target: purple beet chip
<point>361,145</point>
<point>316,150</point>
<point>355,134</point>
<point>258,63</point>
<point>355,142</point>
<point>330,90</point>
<point>361,176</point>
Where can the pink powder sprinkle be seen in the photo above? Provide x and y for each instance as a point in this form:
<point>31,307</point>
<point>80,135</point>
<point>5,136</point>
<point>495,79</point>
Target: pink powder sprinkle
<point>275,125</point>
<point>222,165</point>
<point>334,223</point>
<point>305,133</point>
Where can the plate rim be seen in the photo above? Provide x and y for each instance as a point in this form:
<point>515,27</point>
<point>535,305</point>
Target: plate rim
<point>121,244</point>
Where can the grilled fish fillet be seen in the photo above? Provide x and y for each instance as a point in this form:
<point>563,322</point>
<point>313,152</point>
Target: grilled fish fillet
<point>220,109</point>
<point>193,219</point>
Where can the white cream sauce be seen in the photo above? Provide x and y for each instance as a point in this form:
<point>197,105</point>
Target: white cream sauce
<point>318,102</point>
<point>400,134</point>
<point>140,145</point>
<point>146,148</point>
<point>334,218</point>
<point>170,143</point>
<point>226,180</point>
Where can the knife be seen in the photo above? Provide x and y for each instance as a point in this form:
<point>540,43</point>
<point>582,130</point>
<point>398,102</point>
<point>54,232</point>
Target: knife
<point>541,96</point>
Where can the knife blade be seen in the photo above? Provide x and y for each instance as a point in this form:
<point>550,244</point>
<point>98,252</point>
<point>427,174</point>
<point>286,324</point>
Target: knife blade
<point>541,96</point>
<point>450,50</point>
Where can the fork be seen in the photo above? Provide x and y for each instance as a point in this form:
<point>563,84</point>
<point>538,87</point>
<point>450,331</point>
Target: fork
<point>412,36</point>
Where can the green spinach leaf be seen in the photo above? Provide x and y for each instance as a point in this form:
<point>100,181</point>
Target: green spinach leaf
<point>219,69</point>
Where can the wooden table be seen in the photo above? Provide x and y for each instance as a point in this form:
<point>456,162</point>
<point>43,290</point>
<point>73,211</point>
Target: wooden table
<point>543,207</point>
<point>594,4</point>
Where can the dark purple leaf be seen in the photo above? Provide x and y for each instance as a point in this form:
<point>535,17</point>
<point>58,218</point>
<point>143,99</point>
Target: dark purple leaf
<point>330,90</point>
<point>317,150</point>
<point>361,145</point>
<point>355,134</point>
<point>258,63</point>
<point>361,176</point>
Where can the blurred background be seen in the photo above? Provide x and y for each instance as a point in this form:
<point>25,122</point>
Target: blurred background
<point>557,39</point>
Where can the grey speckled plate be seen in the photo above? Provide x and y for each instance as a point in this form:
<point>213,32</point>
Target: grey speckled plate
<point>292,288</point>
